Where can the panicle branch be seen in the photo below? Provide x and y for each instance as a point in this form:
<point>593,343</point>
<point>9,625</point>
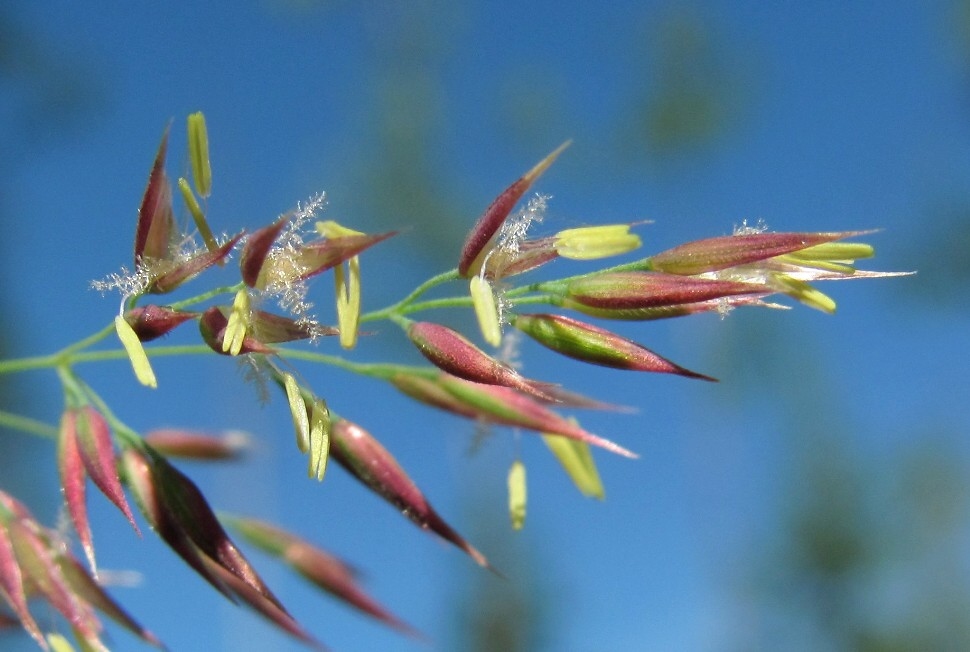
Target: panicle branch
<point>474,380</point>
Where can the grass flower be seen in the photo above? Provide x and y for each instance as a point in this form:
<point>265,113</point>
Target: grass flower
<point>317,566</point>
<point>476,244</point>
<point>192,445</point>
<point>634,290</point>
<point>366,459</point>
<point>85,450</point>
<point>151,321</point>
<point>588,343</point>
<point>278,262</point>
<point>179,513</point>
<point>34,562</point>
<point>495,404</point>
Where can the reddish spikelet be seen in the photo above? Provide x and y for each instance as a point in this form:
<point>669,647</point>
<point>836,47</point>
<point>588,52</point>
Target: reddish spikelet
<point>335,577</point>
<point>256,249</point>
<point>662,312</point>
<point>186,271</point>
<point>274,329</point>
<point>71,470</point>
<point>494,404</point>
<point>429,391</point>
<point>156,225</point>
<point>319,567</point>
<point>88,590</point>
<point>528,256</point>
<point>588,343</point>
<point>452,352</point>
<point>509,407</point>
<point>261,270</point>
<point>97,452</point>
<point>190,445</point>
<point>497,212</point>
<point>366,459</point>
<point>212,326</point>
<point>265,328</point>
<point>712,254</point>
<point>319,256</point>
<point>148,495</point>
<point>12,580</point>
<point>261,604</point>
<point>151,322</point>
<point>636,290</point>
<point>85,448</point>
<point>36,557</point>
<point>180,514</point>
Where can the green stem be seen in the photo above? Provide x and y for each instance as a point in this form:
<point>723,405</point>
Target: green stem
<point>63,359</point>
<point>27,425</point>
<point>431,304</point>
<point>70,354</point>
<point>205,296</point>
<point>90,340</point>
<point>373,370</point>
<point>18,365</point>
<point>76,353</point>
<point>466,302</point>
<point>152,352</point>
<point>402,306</point>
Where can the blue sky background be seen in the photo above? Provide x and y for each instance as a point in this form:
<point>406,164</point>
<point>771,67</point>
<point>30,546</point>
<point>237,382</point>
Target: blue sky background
<point>696,115</point>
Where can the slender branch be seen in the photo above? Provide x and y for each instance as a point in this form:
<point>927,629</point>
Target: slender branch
<point>18,365</point>
<point>374,370</point>
<point>70,354</point>
<point>432,304</point>
<point>94,338</point>
<point>400,306</point>
<point>152,352</point>
<point>205,296</point>
<point>119,427</point>
<point>27,425</point>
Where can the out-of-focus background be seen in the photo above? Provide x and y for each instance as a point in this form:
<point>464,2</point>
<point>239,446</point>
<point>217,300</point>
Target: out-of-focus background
<point>815,499</point>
